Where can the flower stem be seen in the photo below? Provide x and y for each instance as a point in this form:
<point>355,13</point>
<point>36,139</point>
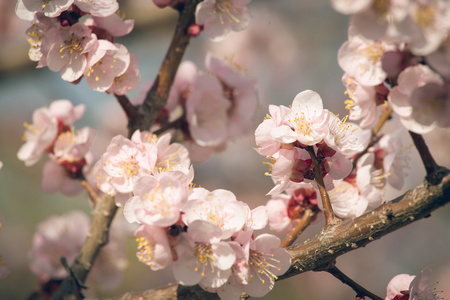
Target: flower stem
<point>360,291</point>
<point>330,218</point>
<point>91,193</point>
<point>308,216</point>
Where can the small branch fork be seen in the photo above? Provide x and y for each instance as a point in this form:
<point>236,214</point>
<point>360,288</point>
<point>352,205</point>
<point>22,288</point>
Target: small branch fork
<point>360,291</point>
<point>143,116</point>
<point>330,218</point>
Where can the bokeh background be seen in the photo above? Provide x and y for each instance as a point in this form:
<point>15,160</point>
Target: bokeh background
<point>290,46</point>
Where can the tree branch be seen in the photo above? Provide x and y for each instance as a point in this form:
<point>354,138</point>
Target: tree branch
<point>308,216</point>
<point>360,291</point>
<point>159,92</point>
<point>320,252</point>
<point>103,215</point>
<point>431,167</point>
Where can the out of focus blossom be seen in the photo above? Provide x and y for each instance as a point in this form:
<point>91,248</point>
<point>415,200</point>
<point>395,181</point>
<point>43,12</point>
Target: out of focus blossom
<point>408,287</point>
<point>219,17</point>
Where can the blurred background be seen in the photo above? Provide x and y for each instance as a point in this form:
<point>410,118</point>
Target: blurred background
<point>290,46</point>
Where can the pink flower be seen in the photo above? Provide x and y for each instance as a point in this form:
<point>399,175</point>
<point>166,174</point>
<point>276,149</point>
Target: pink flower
<point>70,46</point>
<point>420,99</point>
<point>363,101</point>
<point>57,236</point>
<point>361,58</point>
<point>407,287</point>
<point>267,144</point>
<point>153,247</point>
<point>346,201</point>
<point>202,258</point>
<point>123,162</point>
<point>157,201</point>
<point>306,123</point>
<point>219,17</point>
<point>101,71</point>
<point>129,80</point>
<point>426,26</point>
<point>99,8</point>
<point>47,124</point>
<point>439,60</point>
<point>241,92</point>
<point>342,137</point>
<point>218,207</point>
<point>206,111</point>
<point>26,9</point>
<point>266,261</point>
<point>114,24</point>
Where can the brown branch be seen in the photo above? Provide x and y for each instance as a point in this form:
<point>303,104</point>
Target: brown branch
<point>91,193</point>
<point>360,291</point>
<point>308,216</point>
<point>431,167</point>
<point>320,252</point>
<point>102,217</point>
<point>383,118</point>
<point>330,218</point>
<point>159,92</point>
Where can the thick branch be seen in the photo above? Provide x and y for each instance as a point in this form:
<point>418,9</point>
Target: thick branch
<point>320,252</point>
<point>159,92</point>
<point>102,217</point>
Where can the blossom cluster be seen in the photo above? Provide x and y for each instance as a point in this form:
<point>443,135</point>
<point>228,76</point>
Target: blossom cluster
<point>397,51</point>
<point>207,236</point>
<point>76,38</point>
<point>354,188</point>
<point>70,158</point>
<point>212,106</point>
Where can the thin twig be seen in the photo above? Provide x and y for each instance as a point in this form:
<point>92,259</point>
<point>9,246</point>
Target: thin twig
<point>91,193</point>
<point>431,167</point>
<point>383,118</point>
<point>360,291</point>
<point>308,216</point>
<point>330,218</point>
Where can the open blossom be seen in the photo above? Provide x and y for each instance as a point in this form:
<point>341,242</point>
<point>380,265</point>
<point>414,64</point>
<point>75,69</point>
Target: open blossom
<point>426,26</point>
<point>26,9</point>
<point>341,136</point>
<point>346,201</point>
<point>219,17</point>
<point>421,99</point>
<point>218,207</point>
<point>127,81</point>
<point>157,201</point>
<point>408,287</point>
<point>363,101</point>
<point>153,247</point>
<point>101,71</point>
<point>47,124</point>
<point>266,261</point>
<point>68,53</point>
<point>202,257</point>
<point>122,164</point>
<point>361,58</point>
<point>305,123</point>
<point>99,8</point>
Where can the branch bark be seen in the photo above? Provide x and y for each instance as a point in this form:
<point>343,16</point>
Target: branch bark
<point>157,96</point>
<point>320,252</point>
